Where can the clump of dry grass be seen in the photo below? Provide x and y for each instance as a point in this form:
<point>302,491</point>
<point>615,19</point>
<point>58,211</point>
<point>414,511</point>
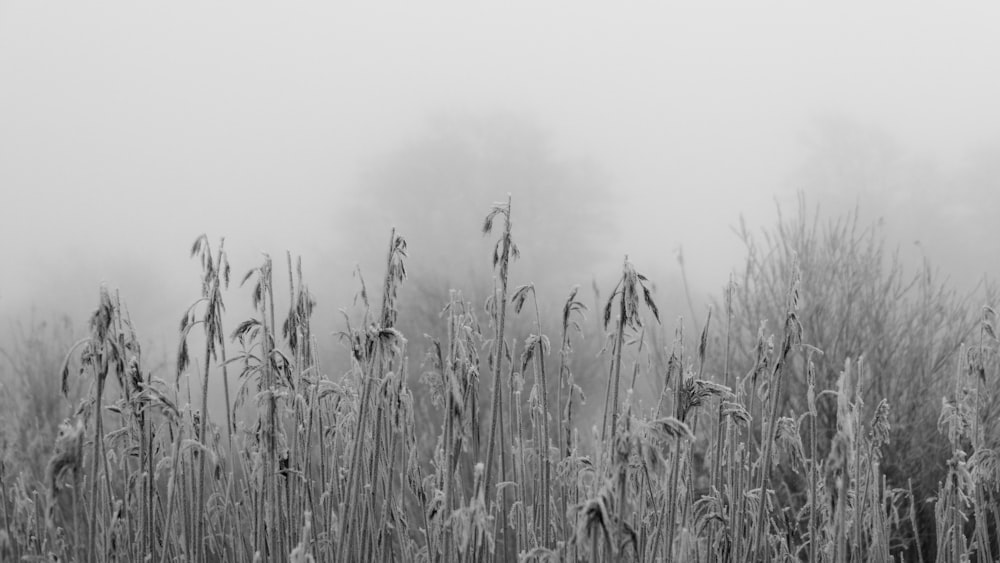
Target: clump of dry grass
<point>67,455</point>
<point>778,463</point>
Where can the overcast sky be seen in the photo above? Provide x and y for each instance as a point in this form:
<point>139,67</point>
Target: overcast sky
<point>126,129</point>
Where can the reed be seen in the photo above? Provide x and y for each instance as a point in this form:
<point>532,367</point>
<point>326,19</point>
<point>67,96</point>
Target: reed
<point>733,444</point>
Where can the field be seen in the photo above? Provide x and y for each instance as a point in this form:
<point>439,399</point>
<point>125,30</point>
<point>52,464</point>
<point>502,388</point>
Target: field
<point>859,424</point>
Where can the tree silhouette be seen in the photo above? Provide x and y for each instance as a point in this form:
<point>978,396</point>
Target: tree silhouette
<point>434,189</point>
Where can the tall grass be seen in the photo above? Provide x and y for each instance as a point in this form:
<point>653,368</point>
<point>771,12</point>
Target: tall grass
<point>750,452</point>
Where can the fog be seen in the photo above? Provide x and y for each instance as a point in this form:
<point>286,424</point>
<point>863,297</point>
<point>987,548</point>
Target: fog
<point>128,129</point>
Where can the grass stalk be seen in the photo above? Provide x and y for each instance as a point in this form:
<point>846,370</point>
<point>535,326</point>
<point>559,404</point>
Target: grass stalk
<point>501,258</point>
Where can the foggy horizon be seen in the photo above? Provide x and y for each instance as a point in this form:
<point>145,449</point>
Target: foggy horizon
<point>127,131</point>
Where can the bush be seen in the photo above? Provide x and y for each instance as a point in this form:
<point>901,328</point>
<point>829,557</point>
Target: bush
<point>30,399</point>
<point>860,301</point>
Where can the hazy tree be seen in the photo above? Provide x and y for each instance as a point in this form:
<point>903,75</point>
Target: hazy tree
<point>945,217</point>
<point>850,164</point>
<point>435,188</point>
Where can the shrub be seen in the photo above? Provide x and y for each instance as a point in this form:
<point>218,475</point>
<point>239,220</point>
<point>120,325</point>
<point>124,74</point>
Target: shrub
<point>860,302</point>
